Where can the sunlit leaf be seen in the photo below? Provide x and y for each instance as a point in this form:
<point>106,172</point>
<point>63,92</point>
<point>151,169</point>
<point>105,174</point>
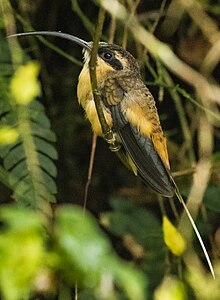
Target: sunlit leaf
<point>170,289</point>
<point>24,84</point>
<point>22,251</point>
<point>8,135</point>
<point>172,238</point>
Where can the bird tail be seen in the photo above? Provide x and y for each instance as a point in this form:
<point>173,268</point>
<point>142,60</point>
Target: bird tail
<point>180,198</point>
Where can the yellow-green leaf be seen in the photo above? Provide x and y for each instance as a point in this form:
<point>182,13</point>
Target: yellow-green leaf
<point>170,289</point>
<point>24,84</point>
<point>22,251</point>
<point>8,135</point>
<point>172,238</point>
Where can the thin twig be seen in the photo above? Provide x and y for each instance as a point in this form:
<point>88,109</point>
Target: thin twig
<point>96,96</point>
<point>132,8</point>
<point>159,15</point>
<point>173,207</point>
<point>184,172</point>
<point>112,29</point>
<point>154,26</point>
<point>91,164</point>
<point>93,77</point>
<point>106,130</point>
<point>76,291</point>
<point>182,117</point>
<point>161,204</point>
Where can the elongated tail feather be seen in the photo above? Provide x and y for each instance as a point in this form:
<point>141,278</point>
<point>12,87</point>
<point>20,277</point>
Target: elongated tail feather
<point>180,198</point>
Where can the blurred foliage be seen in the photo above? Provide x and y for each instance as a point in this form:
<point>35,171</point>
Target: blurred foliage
<point>58,251</point>
<point>79,253</point>
<point>22,251</point>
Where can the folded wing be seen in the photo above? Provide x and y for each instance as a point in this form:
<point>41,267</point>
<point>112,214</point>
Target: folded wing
<point>142,151</point>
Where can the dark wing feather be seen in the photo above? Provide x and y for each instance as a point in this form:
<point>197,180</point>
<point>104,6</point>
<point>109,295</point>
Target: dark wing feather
<point>141,149</point>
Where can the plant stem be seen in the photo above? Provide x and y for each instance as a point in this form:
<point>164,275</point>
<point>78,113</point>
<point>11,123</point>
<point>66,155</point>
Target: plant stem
<point>106,130</point>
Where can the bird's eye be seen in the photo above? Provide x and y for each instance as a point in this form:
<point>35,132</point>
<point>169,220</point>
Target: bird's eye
<point>107,55</point>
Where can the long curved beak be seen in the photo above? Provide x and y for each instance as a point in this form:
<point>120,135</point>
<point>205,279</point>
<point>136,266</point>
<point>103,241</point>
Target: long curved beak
<point>59,34</point>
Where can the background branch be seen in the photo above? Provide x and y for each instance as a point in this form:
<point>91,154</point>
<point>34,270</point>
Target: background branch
<point>204,88</point>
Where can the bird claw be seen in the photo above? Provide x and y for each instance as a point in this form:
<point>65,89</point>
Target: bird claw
<point>114,147</point>
<point>110,138</point>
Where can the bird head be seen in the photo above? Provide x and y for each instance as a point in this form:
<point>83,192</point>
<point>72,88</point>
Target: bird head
<point>113,59</point>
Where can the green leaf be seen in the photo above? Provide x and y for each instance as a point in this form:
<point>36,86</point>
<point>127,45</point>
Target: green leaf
<point>130,280</point>
<point>145,229</point>
<point>18,173</point>
<point>29,160</point>
<point>136,221</point>
<point>48,165</point>
<point>48,182</point>
<point>87,256</point>
<point>22,251</point>
<point>121,204</point>
<point>211,198</point>
<point>44,133</point>
<point>45,148</point>
<point>38,115</point>
<point>84,248</point>
<point>13,157</point>
<point>87,294</point>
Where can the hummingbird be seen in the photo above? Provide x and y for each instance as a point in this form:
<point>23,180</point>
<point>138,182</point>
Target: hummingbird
<point>130,111</point>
